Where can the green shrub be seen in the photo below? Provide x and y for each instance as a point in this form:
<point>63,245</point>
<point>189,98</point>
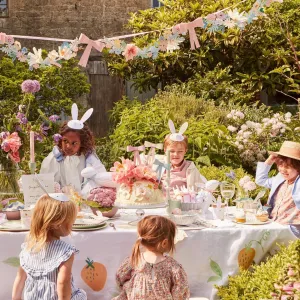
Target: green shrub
<point>259,283</point>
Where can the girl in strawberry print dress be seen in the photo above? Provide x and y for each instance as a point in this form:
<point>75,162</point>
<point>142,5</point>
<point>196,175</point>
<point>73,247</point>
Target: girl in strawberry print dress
<point>148,274</point>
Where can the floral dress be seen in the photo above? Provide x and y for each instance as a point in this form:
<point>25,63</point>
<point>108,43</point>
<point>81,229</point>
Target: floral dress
<point>165,280</point>
<point>42,271</point>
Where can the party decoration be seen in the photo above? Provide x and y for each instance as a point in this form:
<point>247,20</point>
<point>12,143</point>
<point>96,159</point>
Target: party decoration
<point>136,155</point>
<point>75,123</point>
<point>94,274</point>
<point>168,41</point>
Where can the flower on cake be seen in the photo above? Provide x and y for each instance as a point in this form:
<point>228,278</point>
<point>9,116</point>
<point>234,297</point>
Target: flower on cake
<point>127,172</point>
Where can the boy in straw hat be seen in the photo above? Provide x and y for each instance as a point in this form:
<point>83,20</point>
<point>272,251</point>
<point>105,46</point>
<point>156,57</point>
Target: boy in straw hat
<point>284,198</point>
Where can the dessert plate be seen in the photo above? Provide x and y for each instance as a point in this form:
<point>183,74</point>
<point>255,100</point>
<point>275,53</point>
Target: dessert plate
<point>256,222</point>
<point>92,228</point>
<point>13,226</point>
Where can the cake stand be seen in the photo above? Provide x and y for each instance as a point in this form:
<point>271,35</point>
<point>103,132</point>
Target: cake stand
<point>140,209</point>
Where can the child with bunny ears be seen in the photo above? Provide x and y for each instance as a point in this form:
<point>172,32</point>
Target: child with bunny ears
<point>74,161</point>
<point>183,173</point>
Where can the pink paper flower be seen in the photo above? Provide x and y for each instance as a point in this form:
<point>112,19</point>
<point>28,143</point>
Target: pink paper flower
<point>131,50</point>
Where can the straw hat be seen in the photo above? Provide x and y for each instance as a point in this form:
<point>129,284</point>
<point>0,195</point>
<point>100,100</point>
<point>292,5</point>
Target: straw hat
<point>288,149</point>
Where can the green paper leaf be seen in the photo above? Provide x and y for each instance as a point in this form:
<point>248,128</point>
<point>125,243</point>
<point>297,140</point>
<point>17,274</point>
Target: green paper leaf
<point>214,278</point>
<point>216,268</point>
<point>12,261</point>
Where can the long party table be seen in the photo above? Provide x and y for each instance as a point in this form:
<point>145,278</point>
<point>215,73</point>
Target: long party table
<point>208,255</point>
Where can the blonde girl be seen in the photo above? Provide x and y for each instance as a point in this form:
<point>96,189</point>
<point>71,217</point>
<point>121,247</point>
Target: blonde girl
<point>184,173</point>
<point>149,273</point>
<point>45,260</point>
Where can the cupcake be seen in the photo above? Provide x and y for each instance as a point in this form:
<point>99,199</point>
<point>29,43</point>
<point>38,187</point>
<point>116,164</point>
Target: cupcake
<point>262,216</point>
<point>240,216</point>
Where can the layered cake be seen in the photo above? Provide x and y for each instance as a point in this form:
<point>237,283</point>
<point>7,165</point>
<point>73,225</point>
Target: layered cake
<point>138,185</point>
<point>141,192</point>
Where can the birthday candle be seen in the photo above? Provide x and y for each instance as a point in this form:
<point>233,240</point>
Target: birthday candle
<point>31,146</point>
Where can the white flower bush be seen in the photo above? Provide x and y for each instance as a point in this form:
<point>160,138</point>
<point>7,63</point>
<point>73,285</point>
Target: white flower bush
<point>253,138</point>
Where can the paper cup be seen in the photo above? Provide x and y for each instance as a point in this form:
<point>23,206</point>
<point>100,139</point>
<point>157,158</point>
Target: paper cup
<point>26,215</point>
<point>218,213</point>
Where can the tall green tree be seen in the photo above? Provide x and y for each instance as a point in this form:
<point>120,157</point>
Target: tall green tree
<point>262,56</point>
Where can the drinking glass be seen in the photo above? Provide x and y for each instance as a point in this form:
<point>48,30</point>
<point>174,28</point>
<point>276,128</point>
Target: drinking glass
<point>227,192</point>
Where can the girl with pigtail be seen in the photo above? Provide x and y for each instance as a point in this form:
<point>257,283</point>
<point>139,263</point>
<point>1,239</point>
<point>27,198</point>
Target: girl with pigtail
<point>149,273</point>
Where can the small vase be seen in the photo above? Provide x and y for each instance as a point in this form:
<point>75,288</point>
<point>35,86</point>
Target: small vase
<point>9,186</point>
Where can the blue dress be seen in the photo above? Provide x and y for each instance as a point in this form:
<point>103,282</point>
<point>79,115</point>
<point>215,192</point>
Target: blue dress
<point>42,270</point>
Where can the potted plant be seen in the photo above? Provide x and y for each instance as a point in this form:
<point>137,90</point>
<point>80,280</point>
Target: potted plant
<point>103,199</point>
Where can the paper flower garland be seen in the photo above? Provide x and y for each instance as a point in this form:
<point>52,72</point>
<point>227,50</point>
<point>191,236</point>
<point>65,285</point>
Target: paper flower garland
<point>167,42</point>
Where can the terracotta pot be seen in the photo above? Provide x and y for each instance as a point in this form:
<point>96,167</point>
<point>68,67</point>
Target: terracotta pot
<point>12,215</point>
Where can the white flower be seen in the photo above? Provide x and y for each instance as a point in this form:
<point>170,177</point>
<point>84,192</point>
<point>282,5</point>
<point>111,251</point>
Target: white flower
<point>229,116</point>
<point>240,132</point>
<point>244,180</point>
<point>288,120</point>
<point>249,186</point>
<point>66,53</point>
<point>259,131</point>
<point>236,16</point>
<point>250,124</point>
<point>240,147</point>
<point>229,23</point>
<point>247,134</point>
<point>244,127</point>
<point>297,129</point>
<point>282,130</point>
<point>245,141</point>
<point>288,115</point>
<point>240,114</point>
<point>232,128</point>
<point>18,45</point>
<point>53,55</point>
<point>265,120</point>
<point>36,57</point>
<point>237,143</point>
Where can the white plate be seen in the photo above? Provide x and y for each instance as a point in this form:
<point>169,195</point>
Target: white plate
<point>89,221</point>
<point>90,228</point>
<point>13,226</point>
<point>253,222</point>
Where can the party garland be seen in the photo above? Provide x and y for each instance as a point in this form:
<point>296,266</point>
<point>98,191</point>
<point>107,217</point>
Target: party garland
<point>169,41</point>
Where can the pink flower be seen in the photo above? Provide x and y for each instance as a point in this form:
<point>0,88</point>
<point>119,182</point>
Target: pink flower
<point>105,196</point>
<point>30,86</point>
<point>130,51</point>
<point>11,143</point>
<point>14,156</point>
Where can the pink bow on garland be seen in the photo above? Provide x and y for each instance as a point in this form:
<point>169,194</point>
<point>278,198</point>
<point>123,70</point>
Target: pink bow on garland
<point>151,153</point>
<point>136,154</point>
<point>83,39</point>
<point>2,38</point>
<point>190,27</point>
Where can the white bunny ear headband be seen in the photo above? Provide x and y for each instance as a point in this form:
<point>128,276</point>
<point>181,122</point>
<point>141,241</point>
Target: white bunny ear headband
<point>75,123</point>
<point>177,136</point>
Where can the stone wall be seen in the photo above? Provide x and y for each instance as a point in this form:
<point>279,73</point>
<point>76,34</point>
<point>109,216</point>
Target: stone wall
<point>68,18</point>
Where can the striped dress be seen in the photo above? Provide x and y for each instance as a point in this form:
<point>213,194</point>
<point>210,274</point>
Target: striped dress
<point>42,271</point>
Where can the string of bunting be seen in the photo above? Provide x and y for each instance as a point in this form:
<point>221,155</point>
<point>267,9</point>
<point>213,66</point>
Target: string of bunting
<point>168,41</point>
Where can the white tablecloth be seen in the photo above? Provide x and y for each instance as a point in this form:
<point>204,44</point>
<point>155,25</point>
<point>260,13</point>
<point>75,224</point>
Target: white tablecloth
<point>109,247</point>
